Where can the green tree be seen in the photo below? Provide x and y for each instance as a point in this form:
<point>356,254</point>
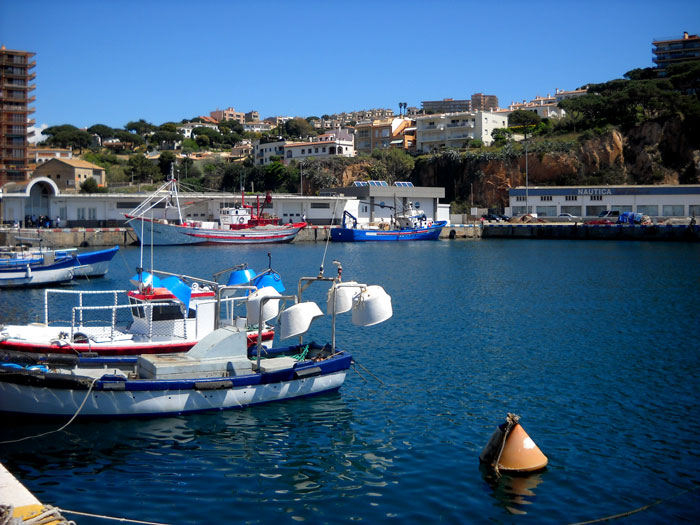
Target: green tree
<point>523,119</point>
<point>165,162</point>
<point>141,127</point>
<point>102,131</point>
<point>140,169</point>
<point>397,164</point>
<point>298,128</point>
<point>89,185</point>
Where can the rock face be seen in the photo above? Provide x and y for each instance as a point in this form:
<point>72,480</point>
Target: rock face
<point>653,153</point>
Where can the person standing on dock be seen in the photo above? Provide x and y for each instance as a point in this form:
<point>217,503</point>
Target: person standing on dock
<point>58,221</point>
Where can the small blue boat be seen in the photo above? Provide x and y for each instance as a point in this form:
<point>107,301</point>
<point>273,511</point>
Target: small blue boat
<point>410,225</point>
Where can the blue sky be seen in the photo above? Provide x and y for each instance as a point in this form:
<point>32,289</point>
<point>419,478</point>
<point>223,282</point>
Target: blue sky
<point>110,62</point>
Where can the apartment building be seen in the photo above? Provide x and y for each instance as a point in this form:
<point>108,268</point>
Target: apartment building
<point>252,116</point>
<point>455,130</point>
<point>220,115</point>
<point>668,51</point>
<point>336,143</point>
<point>383,134</point>
<point>446,105</point>
<point>264,151</point>
<point>481,102</point>
<point>257,126</point>
<point>16,78</point>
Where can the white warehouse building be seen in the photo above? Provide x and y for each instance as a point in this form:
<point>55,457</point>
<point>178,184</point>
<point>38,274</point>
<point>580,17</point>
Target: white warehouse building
<point>589,201</point>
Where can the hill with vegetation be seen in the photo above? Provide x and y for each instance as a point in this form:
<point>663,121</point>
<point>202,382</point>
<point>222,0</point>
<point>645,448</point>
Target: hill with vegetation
<point>640,129</point>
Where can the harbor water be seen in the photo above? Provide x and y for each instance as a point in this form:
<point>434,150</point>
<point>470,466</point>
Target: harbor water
<point>594,344</point>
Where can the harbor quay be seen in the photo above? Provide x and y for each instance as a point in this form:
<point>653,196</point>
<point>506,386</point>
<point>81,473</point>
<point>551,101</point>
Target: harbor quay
<point>125,236</point>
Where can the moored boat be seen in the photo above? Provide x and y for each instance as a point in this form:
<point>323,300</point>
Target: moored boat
<point>237,225</point>
<point>220,372</point>
<point>410,224</point>
<point>20,269</point>
<point>159,316</point>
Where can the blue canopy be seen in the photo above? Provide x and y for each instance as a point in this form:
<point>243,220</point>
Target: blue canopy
<point>179,289</point>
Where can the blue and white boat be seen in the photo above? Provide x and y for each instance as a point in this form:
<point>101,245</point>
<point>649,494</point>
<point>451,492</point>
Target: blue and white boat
<point>41,268</point>
<point>218,373</point>
<point>409,225</point>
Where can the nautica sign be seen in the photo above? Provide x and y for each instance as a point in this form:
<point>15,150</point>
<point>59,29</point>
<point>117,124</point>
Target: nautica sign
<point>595,191</point>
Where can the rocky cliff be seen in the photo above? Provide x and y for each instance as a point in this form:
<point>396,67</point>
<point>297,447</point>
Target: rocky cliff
<point>653,153</point>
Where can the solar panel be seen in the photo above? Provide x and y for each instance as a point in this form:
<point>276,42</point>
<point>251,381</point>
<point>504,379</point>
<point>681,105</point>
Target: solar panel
<point>360,183</point>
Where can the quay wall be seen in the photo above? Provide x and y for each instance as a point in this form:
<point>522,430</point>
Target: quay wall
<point>105,237</point>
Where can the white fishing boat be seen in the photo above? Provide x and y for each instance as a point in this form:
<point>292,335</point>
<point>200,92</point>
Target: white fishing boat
<point>237,225</point>
<point>161,315</point>
<point>220,372</point>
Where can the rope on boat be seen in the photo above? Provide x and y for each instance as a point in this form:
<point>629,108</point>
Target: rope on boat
<point>368,371</point>
<point>92,384</point>
<point>302,355</point>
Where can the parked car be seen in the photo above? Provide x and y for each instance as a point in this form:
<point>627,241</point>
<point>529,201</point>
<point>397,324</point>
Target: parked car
<point>568,217</point>
<point>610,214</point>
<point>601,221</point>
<point>490,217</point>
<point>504,217</point>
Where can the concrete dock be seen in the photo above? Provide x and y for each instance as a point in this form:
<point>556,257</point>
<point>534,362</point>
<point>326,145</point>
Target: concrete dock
<point>16,502</point>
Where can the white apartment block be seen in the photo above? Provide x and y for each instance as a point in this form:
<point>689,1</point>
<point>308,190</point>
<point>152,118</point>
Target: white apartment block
<point>257,126</point>
<point>336,143</point>
<point>186,129</point>
<point>263,152</point>
<point>547,107</point>
<point>455,130</point>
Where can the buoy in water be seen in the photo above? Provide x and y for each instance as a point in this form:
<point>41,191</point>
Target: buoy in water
<point>510,449</point>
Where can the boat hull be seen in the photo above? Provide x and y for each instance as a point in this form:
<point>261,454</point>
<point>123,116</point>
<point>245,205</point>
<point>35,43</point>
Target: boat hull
<point>95,264</point>
<point>41,339</point>
<point>413,234</point>
<point>162,234</point>
<point>25,275</point>
<point>40,394</point>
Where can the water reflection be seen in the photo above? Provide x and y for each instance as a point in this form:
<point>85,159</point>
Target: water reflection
<point>513,492</point>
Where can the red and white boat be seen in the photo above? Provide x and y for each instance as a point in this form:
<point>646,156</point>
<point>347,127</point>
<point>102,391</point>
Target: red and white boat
<point>161,316</point>
<point>244,224</point>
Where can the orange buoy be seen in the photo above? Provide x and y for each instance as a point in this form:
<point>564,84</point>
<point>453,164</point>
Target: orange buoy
<point>510,449</point>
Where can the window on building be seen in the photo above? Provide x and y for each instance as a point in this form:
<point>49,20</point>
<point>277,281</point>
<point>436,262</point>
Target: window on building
<point>596,197</point>
<point>520,198</point>
<point>546,211</point>
<point>648,209</point>
<point>573,210</point>
<point>546,198</point>
<point>320,205</point>
<point>81,214</point>
<point>694,210</point>
<point>92,214</point>
<point>621,208</point>
<point>672,210</point>
<point>594,211</point>
<point>571,198</point>
<point>315,150</point>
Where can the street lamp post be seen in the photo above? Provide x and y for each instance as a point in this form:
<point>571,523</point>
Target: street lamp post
<point>301,179</point>
<point>527,184</point>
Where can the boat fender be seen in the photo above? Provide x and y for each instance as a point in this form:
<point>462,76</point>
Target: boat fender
<point>61,359</point>
<point>67,381</point>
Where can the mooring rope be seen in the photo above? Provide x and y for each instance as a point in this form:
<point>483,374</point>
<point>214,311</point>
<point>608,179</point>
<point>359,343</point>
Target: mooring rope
<point>635,511</point>
<point>126,520</point>
<point>92,384</point>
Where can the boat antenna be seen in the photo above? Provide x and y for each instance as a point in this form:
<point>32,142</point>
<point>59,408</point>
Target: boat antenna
<point>269,261</point>
<point>328,238</point>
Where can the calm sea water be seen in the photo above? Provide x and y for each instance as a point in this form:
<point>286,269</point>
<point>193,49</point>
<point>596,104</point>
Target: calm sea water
<point>593,344</point>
